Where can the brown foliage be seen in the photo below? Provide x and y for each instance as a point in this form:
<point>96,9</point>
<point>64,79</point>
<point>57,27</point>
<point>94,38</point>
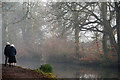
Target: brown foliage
<point>57,49</point>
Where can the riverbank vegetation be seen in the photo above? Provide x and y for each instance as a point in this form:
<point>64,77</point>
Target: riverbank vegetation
<point>47,70</point>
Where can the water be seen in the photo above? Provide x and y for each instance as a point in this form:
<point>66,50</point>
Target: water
<point>82,71</point>
<point>62,70</point>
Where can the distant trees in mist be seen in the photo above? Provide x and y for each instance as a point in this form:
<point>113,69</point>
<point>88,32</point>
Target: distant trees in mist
<point>68,29</point>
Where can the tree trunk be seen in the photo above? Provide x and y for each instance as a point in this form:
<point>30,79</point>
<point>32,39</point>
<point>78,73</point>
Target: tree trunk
<point>104,43</point>
<point>105,23</point>
<point>113,42</point>
<point>76,33</point>
<point>97,42</point>
<point>77,41</point>
<point>4,25</point>
<point>107,26</point>
<point>118,31</point>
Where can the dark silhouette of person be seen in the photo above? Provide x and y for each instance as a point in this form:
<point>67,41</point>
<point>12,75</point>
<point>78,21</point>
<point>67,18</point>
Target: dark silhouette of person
<point>12,59</point>
<point>7,52</point>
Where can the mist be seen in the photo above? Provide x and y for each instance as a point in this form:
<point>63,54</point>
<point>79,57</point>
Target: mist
<point>61,32</point>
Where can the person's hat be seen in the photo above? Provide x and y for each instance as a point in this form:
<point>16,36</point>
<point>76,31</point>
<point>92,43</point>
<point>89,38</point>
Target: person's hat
<point>7,43</point>
<point>12,45</point>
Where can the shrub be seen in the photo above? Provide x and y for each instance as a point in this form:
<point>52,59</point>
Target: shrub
<point>46,68</point>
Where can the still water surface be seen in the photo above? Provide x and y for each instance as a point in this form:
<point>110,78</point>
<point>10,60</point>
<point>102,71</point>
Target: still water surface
<point>62,70</point>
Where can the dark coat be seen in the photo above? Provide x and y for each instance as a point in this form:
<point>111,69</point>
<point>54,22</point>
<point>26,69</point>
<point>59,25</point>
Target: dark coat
<point>7,50</point>
<point>12,51</point>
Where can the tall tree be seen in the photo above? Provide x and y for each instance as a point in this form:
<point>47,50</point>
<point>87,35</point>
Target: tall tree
<point>117,6</point>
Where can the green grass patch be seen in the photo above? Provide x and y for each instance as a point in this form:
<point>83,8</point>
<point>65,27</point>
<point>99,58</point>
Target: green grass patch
<point>46,68</point>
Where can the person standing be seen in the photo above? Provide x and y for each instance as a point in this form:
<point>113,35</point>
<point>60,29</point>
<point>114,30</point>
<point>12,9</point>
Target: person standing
<point>12,59</point>
<point>7,52</point>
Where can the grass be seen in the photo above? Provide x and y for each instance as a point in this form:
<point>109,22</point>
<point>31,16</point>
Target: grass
<point>47,70</point>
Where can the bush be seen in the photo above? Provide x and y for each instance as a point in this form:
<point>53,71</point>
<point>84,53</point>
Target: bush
<point>46,68</point>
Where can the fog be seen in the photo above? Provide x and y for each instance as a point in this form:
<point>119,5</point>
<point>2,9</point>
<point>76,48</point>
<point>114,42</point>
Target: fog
<point>34,36</point>
<point>60,32</point>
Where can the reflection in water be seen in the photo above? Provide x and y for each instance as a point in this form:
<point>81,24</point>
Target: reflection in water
<point>79,71</point>
<point>88,76</point>
<point>62,70</point>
